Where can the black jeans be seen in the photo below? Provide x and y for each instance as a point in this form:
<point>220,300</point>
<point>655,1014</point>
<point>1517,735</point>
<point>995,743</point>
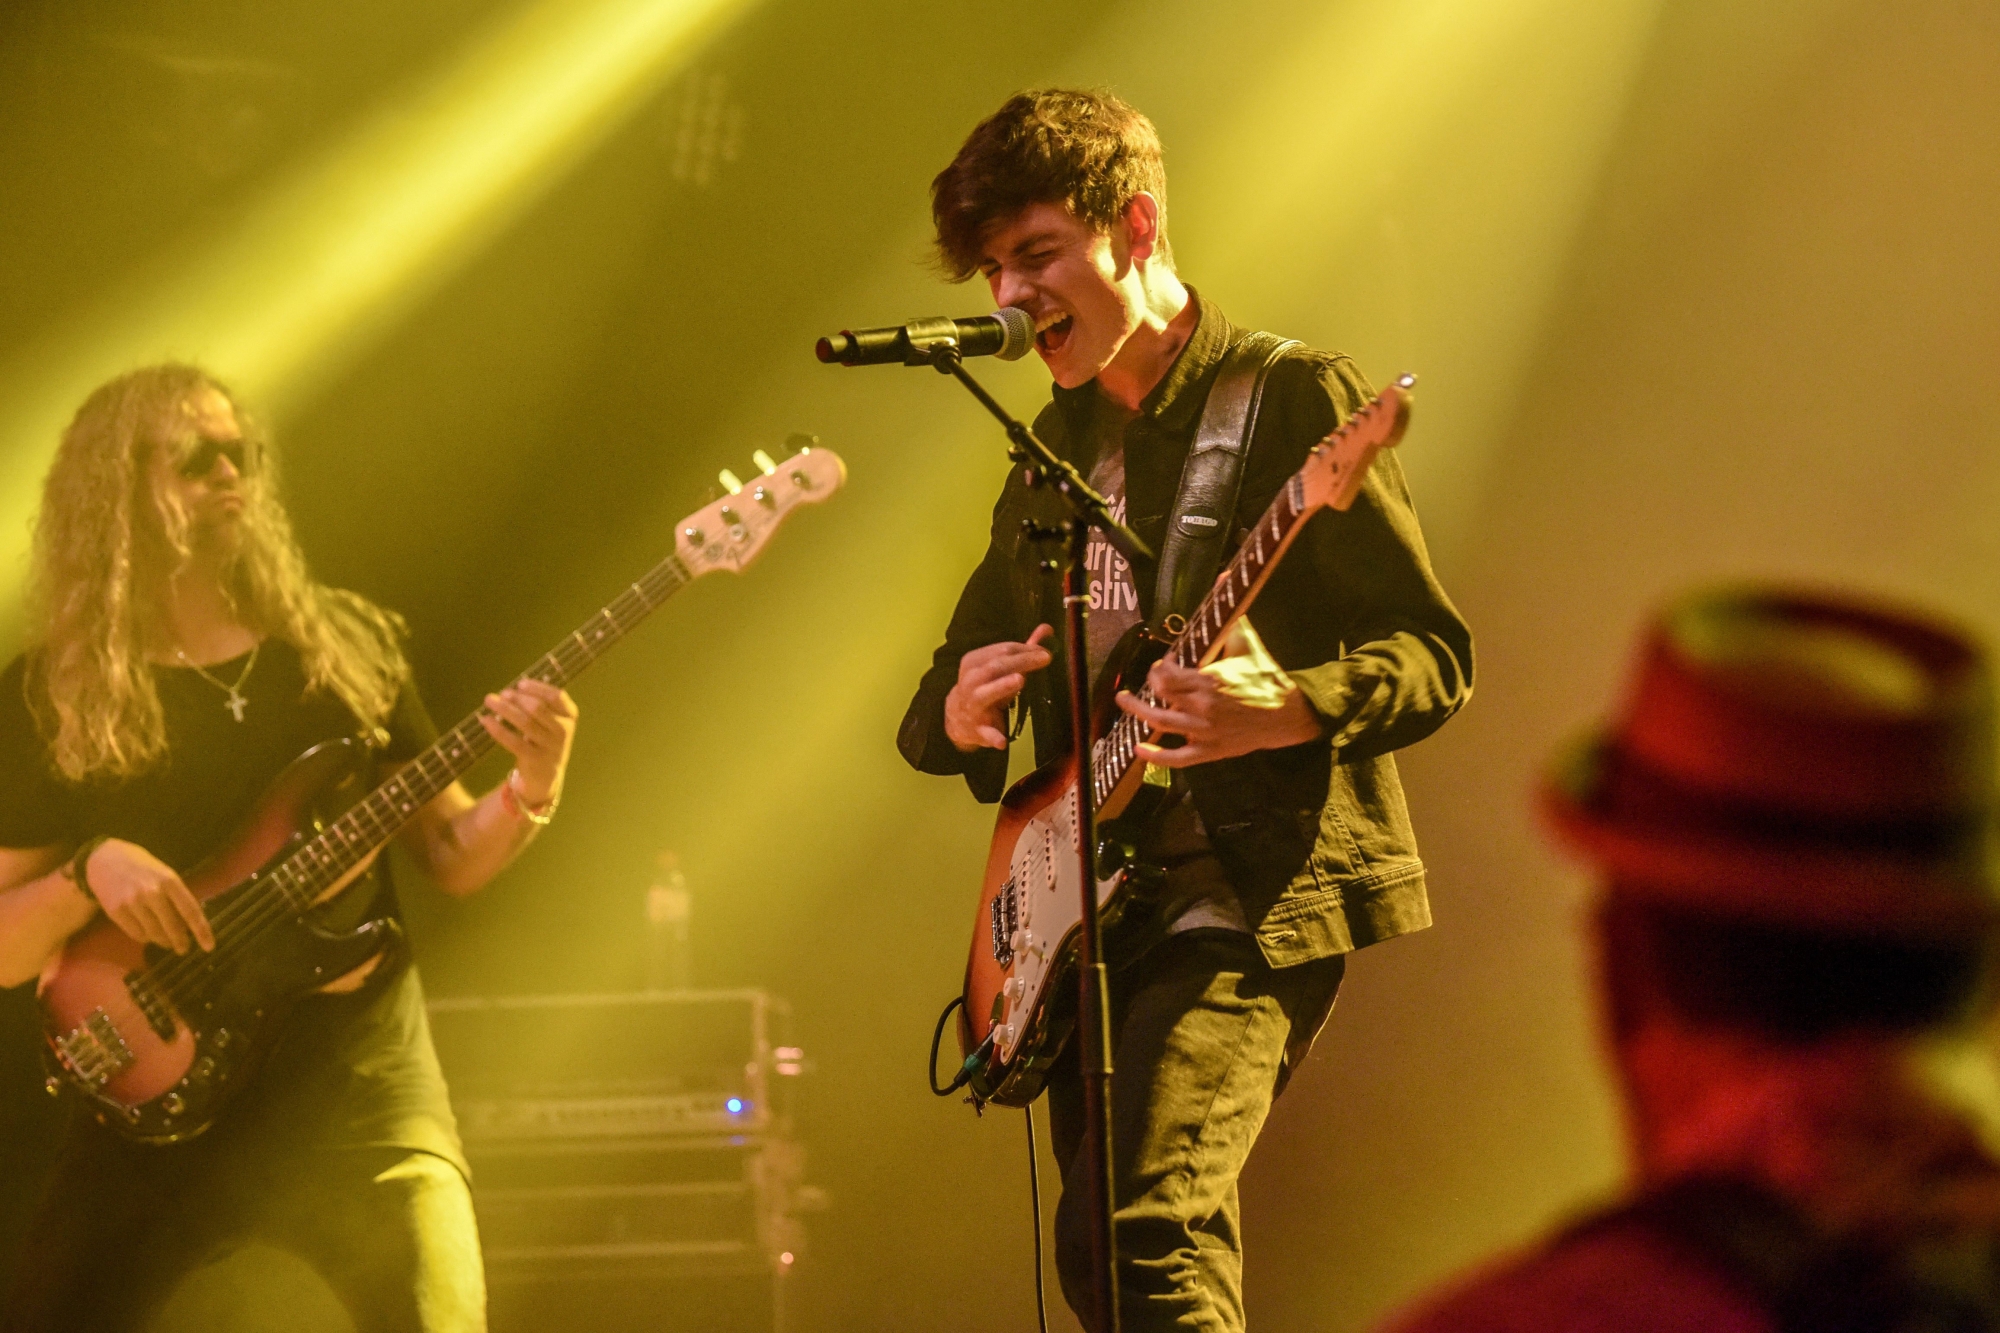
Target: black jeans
<point>391,1231</point>
<point>1204,1035</point>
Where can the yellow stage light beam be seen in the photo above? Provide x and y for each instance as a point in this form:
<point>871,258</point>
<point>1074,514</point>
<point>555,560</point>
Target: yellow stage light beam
<point>281,297</point>
<point>1403,182</point>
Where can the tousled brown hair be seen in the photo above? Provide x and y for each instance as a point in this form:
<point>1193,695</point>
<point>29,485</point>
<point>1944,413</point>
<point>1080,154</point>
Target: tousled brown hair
<point>107,544</point>
<point>1080,147</point>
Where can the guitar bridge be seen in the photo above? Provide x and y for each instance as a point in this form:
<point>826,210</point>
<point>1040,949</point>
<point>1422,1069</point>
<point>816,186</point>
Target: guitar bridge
<point>1006,913</point>
<point>93,1050</point>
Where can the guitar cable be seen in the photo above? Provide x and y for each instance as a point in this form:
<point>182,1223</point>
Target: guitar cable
<point>965,1071</point>
<point>1035,1200</point>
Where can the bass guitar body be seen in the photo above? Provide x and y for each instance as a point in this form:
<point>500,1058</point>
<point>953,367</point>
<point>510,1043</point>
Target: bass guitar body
<point>154,1041</point>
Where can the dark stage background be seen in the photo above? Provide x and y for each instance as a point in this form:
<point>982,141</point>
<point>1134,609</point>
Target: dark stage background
<point>1696,290</point>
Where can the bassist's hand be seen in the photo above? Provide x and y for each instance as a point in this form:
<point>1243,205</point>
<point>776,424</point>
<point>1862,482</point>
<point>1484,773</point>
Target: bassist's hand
<point>145,898</point>
<point>989,678</point>
<point>536,723</point>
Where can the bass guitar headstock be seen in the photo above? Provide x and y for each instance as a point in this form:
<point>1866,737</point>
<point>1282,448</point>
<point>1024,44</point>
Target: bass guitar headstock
<point>731,532</point>
<point>1333,474</point>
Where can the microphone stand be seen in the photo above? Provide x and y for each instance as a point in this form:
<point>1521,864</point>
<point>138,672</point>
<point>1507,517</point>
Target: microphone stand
<point>1088,509</point>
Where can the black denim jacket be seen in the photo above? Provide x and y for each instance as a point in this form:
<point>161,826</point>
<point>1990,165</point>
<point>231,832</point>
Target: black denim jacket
<point>1316,837</point>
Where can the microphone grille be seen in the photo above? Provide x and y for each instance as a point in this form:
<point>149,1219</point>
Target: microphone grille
<point>1020,332</point>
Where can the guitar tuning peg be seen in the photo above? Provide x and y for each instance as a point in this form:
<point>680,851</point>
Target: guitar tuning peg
<point>763,462</point>
<point>799,442</point>
<point>728,479</point>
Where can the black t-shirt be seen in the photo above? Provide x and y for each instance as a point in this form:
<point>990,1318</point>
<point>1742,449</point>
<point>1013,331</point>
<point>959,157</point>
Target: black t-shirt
<point>347,1071</point>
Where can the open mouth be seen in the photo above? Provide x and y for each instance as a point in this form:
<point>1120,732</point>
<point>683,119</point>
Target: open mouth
<point>1051,332</point>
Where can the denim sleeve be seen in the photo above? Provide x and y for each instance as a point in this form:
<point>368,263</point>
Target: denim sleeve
<point>1404,659</point>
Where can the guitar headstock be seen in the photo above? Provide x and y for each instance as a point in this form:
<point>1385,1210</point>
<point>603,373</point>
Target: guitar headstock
<point>731,532</point>
<point>1339,463</point>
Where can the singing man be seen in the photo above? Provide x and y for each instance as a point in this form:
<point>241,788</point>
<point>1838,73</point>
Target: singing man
<point>1284,843</point>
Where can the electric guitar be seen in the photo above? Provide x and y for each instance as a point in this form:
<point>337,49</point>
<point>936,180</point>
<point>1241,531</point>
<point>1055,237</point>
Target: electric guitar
<point>155,1042</point>
<point>1020,991</point>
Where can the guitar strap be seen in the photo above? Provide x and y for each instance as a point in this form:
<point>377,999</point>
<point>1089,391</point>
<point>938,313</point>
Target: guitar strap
<point>1211,480</point>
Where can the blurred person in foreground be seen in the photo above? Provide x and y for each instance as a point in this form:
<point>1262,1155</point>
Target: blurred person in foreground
<point>179,657</point>
<point>1791,822</point>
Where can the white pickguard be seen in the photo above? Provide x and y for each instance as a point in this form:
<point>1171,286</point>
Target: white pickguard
<point>1046,910</point>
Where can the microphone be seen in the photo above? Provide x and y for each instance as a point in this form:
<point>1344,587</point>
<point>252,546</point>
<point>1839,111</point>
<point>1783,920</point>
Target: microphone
<point>1007,333</point>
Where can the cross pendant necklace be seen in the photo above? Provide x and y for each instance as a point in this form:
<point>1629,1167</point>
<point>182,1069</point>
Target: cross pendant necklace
<point>236,702</point>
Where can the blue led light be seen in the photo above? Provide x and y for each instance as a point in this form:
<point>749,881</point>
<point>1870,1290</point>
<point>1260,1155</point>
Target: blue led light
<point>735,1105</point>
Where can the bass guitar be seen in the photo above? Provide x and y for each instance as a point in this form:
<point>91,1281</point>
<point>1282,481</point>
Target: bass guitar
<point>1020,980</point>
<point>157,1042</point>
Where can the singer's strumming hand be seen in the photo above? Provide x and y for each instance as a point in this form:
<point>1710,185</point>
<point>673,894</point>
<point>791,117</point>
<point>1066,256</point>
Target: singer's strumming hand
<point>989,678</point>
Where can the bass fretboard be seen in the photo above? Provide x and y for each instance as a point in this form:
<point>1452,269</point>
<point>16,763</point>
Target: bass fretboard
<point>321,862</point>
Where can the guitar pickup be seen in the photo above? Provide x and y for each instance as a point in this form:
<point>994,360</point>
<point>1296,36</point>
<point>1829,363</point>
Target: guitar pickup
<point>158,1016</point>
<point>1006,919</point>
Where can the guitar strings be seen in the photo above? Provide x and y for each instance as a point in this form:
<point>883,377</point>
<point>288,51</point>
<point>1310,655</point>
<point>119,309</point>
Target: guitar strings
<point>285,878</point>
<point>306,868</point>
<point>322,861</point>
<point>1112,756</point>
<point>178,978</point>
<point>291,888</point>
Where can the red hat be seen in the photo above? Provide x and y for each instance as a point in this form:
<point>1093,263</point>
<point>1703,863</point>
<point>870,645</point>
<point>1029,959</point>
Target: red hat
<point>1796,758</point>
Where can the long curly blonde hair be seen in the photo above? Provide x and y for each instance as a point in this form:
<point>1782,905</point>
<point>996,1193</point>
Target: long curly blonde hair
<point>108,542</point>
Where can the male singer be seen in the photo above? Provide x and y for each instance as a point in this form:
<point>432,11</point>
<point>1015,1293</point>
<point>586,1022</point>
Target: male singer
<point>1284,843</point>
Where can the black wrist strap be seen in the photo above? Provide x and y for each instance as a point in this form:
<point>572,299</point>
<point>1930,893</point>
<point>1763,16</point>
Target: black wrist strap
<point>1212,479</point>
<point>79,866</point>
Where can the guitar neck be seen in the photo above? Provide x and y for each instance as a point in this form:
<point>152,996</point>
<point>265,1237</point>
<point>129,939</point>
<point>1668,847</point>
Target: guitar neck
<point>1113,755</point>
<point>1330,479</point>
<point>371,822</point>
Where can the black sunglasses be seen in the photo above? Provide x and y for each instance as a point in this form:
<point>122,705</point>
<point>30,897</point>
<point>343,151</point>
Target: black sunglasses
<point>202,460</point>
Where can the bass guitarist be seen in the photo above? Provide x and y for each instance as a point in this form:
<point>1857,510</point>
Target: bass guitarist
<point>1284,843</point>
<point>179,658</point>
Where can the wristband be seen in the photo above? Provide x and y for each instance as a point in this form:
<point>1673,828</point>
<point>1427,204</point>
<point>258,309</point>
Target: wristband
<point>510,796</point>
<point>79,867</point>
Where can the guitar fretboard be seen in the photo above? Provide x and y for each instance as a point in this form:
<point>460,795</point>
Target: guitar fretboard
<point>1112,756</point>
<point>323,860</point>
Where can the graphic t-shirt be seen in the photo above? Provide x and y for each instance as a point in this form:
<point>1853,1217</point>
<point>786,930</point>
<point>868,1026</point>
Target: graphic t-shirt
<point>1197,892</point>
<point>348,1070</point>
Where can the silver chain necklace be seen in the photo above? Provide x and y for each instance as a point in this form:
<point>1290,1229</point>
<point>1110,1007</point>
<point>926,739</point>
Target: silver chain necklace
<point>236,702</point>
